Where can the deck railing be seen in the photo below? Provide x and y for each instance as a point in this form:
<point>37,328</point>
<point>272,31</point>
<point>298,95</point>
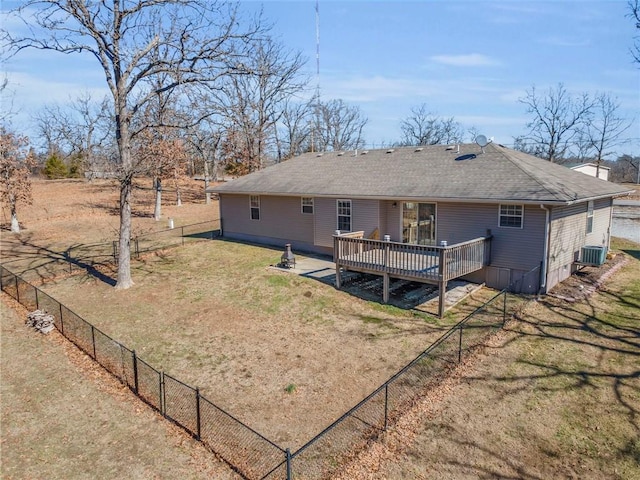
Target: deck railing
<point>404,260</point>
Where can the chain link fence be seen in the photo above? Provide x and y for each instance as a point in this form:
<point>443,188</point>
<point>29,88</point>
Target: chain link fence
<point>250,453</point>
<point>247,451</point>
<point>94,256</point>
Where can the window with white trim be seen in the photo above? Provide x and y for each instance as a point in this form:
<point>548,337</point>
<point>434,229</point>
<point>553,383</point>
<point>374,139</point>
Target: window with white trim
<point>590,217</point>
<point>307,205</point>
<point>254,200</point>
<point>511,216</point>
<point>344,215</point>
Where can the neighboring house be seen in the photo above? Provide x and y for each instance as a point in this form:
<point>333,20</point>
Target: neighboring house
<point>593,169</point>
<point>521,212</point>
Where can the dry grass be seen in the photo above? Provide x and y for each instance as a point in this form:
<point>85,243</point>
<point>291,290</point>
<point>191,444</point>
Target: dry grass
<point>557,396</point>
<point>285,354</point>
<point>62,417</point>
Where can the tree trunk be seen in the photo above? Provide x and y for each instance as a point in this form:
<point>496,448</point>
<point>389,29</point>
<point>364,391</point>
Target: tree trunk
<point>126,187</point>
<point>207,195</point>
<point>15,225</point>
<point>124,251</point>
<point>178,195</point>
<point>157,212</point>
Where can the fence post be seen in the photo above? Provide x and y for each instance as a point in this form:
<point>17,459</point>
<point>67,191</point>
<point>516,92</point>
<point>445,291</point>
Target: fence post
<point>504,309</point>
<point>137,248</point>
<point>17,289</point>
<point>37,302</point>
<point>163,399</point>
<point>288,452</point>
<point>93,341</point>
<point>182,234</point>
<point>460,346</point>
<point>386,405</point>
<point>197,413</point>
<point>61,322</point>
<point>115,252</point>
<point>135,372</point>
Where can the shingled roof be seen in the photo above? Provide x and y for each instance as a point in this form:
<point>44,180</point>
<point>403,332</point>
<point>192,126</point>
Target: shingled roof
<point>436,173</point>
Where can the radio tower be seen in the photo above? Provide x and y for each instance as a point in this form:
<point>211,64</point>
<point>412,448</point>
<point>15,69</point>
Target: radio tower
<point>317,51</point>
<point>316,97</point>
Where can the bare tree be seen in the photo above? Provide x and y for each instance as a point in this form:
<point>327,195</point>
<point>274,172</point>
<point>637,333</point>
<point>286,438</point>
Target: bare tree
<point>15,167</point>
<point>203,144</point>
<point>425,128</point>
<point>255,100</point>
<point>293,136</point>
<point>634,14</point>
<point>195,41</point>
<point>6,99</point>
<point>337,126</point>
<point>80,130</point>
<point>557,119</point>
<point>626,168</point>
<point>604,131</point>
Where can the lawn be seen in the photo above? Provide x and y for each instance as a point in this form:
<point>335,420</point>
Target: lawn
<point>287,355</point>
<point>557,397</point>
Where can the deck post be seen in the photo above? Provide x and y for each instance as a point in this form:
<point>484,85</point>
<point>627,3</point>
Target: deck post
<point>443,274</point>
<point>385,275</point>
<point>336,258</point>
<point>442,289</point>
<point>385,287</point>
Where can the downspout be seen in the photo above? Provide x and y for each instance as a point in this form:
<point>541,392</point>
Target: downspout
<point>545,254</point>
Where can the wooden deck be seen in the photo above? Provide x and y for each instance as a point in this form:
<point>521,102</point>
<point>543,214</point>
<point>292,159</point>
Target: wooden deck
<point>421,263</point>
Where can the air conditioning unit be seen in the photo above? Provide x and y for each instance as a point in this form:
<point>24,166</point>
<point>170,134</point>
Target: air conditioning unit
<point>593,255</point>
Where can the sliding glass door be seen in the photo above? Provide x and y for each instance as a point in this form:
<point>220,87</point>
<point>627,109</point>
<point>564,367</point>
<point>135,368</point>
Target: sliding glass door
<point>419,223</point>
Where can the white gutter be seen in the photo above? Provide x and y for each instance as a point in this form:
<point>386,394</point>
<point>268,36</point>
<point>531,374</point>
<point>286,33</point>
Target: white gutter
<point>545,254</point>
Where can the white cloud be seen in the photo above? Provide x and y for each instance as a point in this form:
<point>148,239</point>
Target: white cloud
<point>468,60</point>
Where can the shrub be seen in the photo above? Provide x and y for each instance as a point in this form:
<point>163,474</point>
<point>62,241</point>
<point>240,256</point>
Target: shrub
<point>55,167</point>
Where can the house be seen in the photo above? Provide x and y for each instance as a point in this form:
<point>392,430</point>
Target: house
<point>593,169</point>
<point>433,213</point>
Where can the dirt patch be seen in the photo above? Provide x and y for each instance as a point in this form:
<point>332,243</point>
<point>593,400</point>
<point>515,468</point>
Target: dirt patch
<point>588,279</point>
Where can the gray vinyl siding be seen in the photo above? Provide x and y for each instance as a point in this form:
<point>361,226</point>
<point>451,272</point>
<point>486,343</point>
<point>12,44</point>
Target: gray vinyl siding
<point>281,220</point>
<point>601,218</point>
<point>365,216</point>
<point>325,221</point>
<point>393,220</point>
<point>566,238</point>
<point>569,234</point>
<point>519,249</point>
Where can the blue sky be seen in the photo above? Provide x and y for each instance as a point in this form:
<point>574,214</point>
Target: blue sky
<point>470,60</point>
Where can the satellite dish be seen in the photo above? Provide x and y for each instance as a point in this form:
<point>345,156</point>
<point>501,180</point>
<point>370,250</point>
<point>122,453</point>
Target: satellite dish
<point>482,141</point>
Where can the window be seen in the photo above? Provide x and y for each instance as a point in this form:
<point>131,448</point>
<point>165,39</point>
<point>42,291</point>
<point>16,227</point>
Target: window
<point>511,216</point>
<point>344,215</point>
<point>255,207</point>
<point>307,205</point>
<point>590,216</point>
